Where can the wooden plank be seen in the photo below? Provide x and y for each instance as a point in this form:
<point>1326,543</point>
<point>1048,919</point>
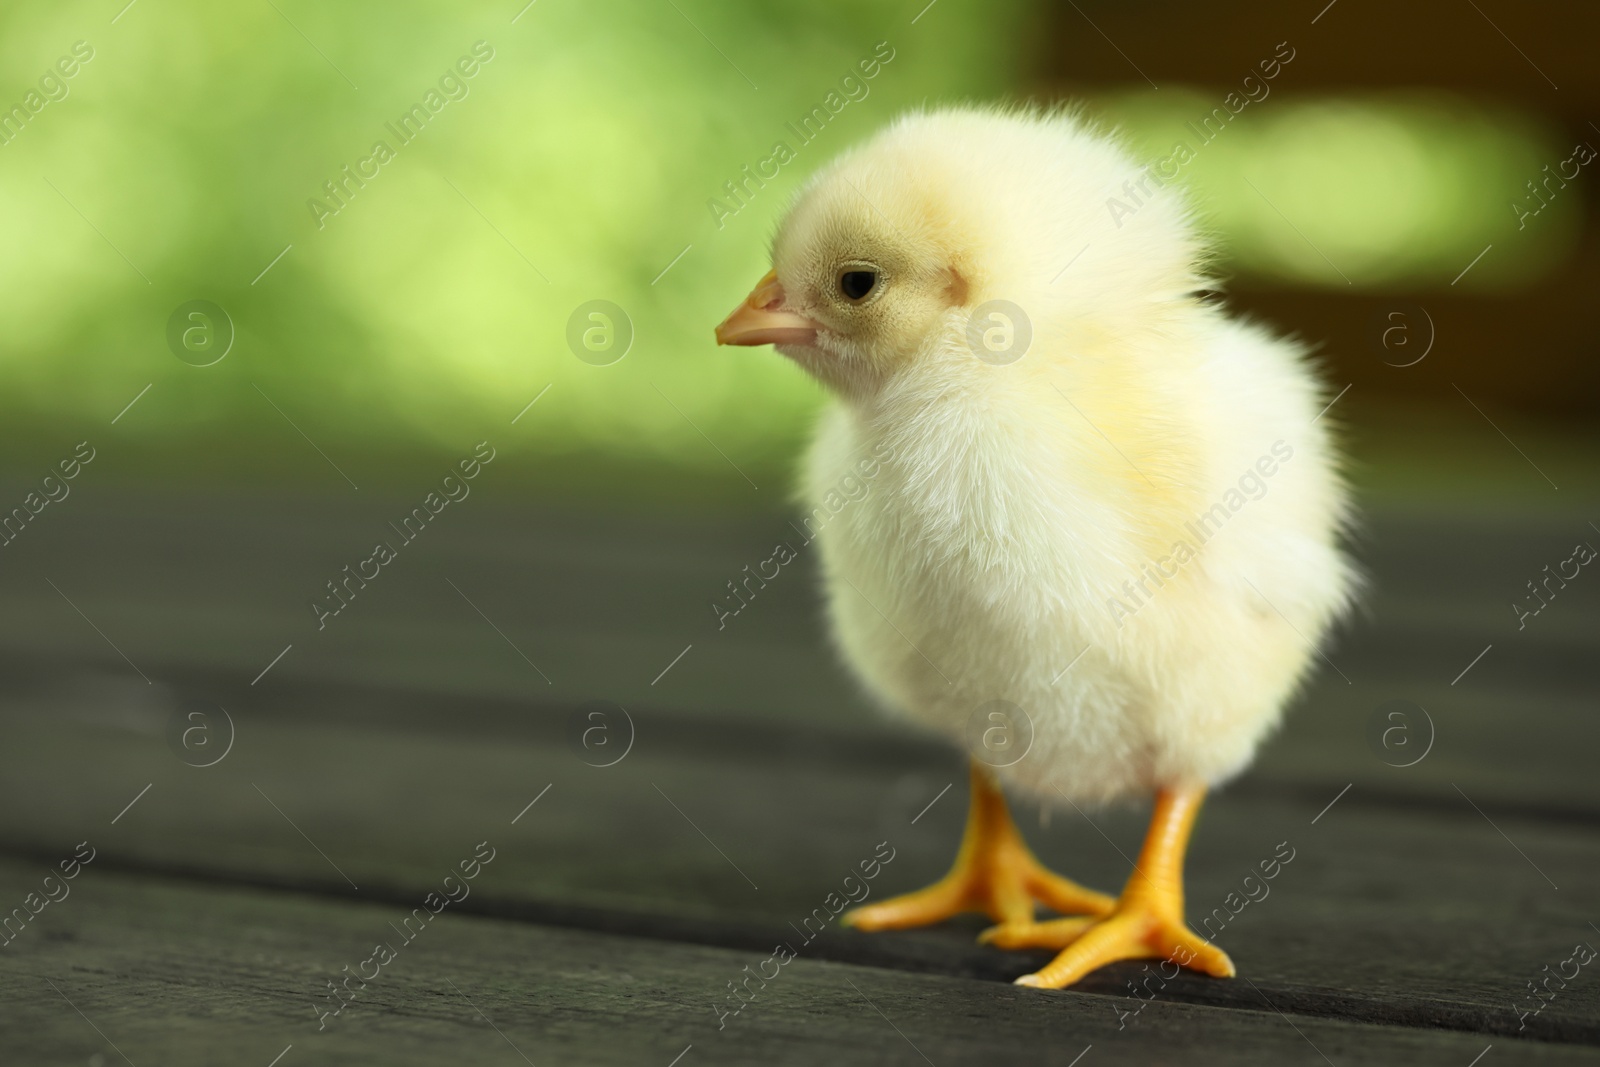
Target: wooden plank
<point>600,604</point>
<point>1409,906</point>
<point>1424,917</point>
<point>1523,748</point>
<point>1519,749</point>
<point>603,604</point>
<point>153,971</point>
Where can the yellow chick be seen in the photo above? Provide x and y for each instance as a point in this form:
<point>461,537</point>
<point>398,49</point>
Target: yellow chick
<point>1100,543</point>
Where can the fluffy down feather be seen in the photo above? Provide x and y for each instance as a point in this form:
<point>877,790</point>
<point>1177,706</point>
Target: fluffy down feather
<point>1147,494</point>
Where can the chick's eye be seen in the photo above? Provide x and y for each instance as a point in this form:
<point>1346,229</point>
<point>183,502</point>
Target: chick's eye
<point>856,284</point>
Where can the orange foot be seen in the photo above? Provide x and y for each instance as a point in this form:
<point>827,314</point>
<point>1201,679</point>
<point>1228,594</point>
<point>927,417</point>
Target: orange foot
<point>1147,920</point>
<point>994,873</point>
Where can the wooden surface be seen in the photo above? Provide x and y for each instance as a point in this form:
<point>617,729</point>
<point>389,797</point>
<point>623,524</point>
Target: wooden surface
<point>378,752</point>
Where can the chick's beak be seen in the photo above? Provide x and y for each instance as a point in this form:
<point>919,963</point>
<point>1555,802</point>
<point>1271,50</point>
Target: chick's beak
<point>763,320</point>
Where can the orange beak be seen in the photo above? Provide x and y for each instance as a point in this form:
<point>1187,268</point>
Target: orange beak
<point>763,320</point>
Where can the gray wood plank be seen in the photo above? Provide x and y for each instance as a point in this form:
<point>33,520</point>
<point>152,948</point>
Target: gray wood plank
<point>151,971</point>
<point>603,602</point>
<point>1425,916</point>
<point>381,738</point>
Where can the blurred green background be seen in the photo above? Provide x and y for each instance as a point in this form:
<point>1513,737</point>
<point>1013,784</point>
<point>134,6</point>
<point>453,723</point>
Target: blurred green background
<point>181,163</point>
<point>433,306</point>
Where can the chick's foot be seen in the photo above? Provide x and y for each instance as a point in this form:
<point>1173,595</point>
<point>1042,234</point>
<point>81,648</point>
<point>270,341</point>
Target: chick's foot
<point>1147,921</point>
<point>994,873</point>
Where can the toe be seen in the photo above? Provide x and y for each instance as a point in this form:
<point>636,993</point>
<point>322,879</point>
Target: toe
<point>1187,949</point>
<point>869,918</point>
<point>1127,935</point>
<point>1066,897</point>
<point>1106,941</point>
<point>1052,934</point>
<point>933,904</point>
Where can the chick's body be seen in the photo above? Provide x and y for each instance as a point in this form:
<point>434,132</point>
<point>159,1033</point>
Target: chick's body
<point>1128,531</point>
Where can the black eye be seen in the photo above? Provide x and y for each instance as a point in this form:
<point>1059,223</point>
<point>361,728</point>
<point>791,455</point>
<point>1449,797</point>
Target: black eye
<point>856,284</point>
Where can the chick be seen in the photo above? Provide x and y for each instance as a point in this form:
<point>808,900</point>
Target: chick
<point>1101,506</point>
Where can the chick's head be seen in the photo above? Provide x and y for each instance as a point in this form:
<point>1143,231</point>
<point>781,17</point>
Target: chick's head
<point>862,276</point>
<point>885,253</point>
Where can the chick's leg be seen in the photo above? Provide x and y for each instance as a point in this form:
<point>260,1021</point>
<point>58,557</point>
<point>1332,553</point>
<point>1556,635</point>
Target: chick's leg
<point>994,873</point>
<point>1148,918</point>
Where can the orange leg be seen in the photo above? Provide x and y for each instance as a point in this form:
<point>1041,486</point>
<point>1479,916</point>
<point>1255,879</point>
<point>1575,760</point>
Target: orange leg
<point>1147,920</point>
<point>994,873</point>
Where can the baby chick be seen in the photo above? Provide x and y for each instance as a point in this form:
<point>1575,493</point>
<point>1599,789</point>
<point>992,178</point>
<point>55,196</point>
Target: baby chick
<point>1105,530</point>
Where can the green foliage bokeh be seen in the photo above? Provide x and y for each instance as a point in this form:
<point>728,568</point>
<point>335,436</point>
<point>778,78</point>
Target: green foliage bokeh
<point>433,306</point>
